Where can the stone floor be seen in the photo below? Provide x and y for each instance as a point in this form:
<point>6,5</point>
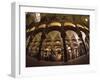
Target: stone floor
<point>32,62</point>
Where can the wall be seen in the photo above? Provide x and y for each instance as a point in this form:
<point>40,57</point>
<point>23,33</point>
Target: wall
<point>5,39</point>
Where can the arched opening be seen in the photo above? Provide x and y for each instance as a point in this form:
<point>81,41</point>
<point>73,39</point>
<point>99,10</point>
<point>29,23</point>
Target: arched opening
<point>73,44</point>
<point>52,46</point>
<point>33,46</point>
